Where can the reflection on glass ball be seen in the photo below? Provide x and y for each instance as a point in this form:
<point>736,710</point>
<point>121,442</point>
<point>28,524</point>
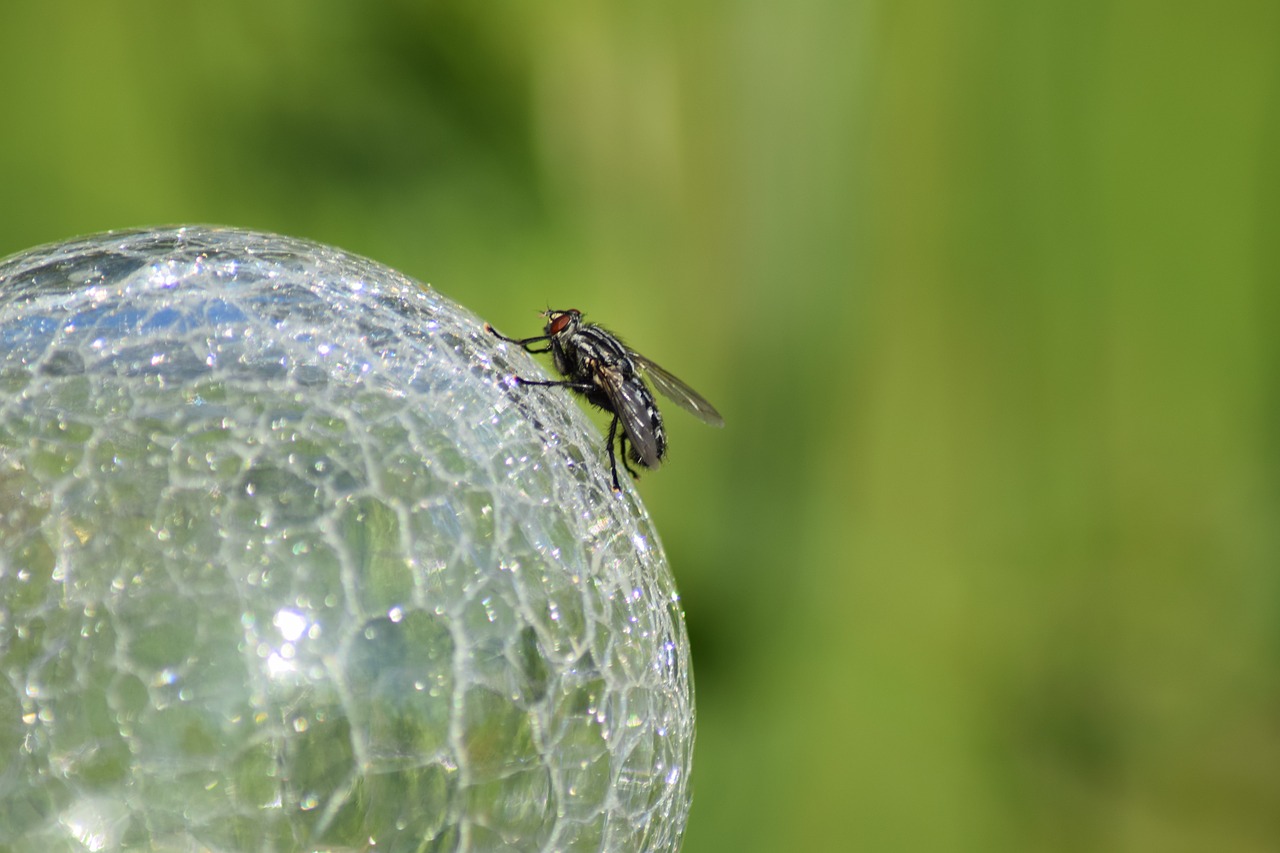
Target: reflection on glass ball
<point>287,563</point>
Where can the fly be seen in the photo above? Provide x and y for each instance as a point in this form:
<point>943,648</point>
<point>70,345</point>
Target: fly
<point>597,365</point>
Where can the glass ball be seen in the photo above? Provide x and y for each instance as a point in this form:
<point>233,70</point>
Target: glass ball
<point>289,562</point>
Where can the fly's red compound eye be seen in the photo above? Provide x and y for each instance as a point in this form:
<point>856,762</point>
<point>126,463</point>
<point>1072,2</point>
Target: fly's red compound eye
<point>561,322</point>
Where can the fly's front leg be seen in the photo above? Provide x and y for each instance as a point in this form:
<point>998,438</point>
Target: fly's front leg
<point>524,342</point>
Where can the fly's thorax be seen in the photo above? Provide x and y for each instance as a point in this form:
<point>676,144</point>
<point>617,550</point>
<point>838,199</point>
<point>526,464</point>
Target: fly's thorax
<point>602,347</point>
<point>578,349</point>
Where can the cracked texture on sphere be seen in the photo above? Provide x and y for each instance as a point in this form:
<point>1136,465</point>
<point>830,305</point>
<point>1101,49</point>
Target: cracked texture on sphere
<point>287,562</point>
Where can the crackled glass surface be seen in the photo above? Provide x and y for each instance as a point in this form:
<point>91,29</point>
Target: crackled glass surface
<point>287,563</point>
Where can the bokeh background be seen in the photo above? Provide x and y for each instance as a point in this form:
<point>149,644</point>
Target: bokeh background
<point>987,557</point>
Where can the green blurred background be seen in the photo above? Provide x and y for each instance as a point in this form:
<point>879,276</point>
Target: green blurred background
<point>987,555</point>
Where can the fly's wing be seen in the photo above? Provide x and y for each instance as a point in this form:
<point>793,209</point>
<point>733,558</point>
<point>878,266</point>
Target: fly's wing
<point>677,392</point>
<point>632,403</point>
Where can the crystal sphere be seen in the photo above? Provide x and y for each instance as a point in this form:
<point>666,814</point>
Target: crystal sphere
<point>288,562</point>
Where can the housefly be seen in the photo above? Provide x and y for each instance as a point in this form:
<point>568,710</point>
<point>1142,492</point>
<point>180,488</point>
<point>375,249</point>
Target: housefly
<point>597,365</point>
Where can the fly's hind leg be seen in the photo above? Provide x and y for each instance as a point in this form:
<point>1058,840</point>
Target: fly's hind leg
<point>622,452</point>
<point>621,435</point>
<point>613,460</point>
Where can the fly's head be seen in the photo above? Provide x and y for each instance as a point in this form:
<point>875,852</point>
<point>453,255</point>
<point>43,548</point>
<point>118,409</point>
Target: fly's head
<point>562,325</point>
